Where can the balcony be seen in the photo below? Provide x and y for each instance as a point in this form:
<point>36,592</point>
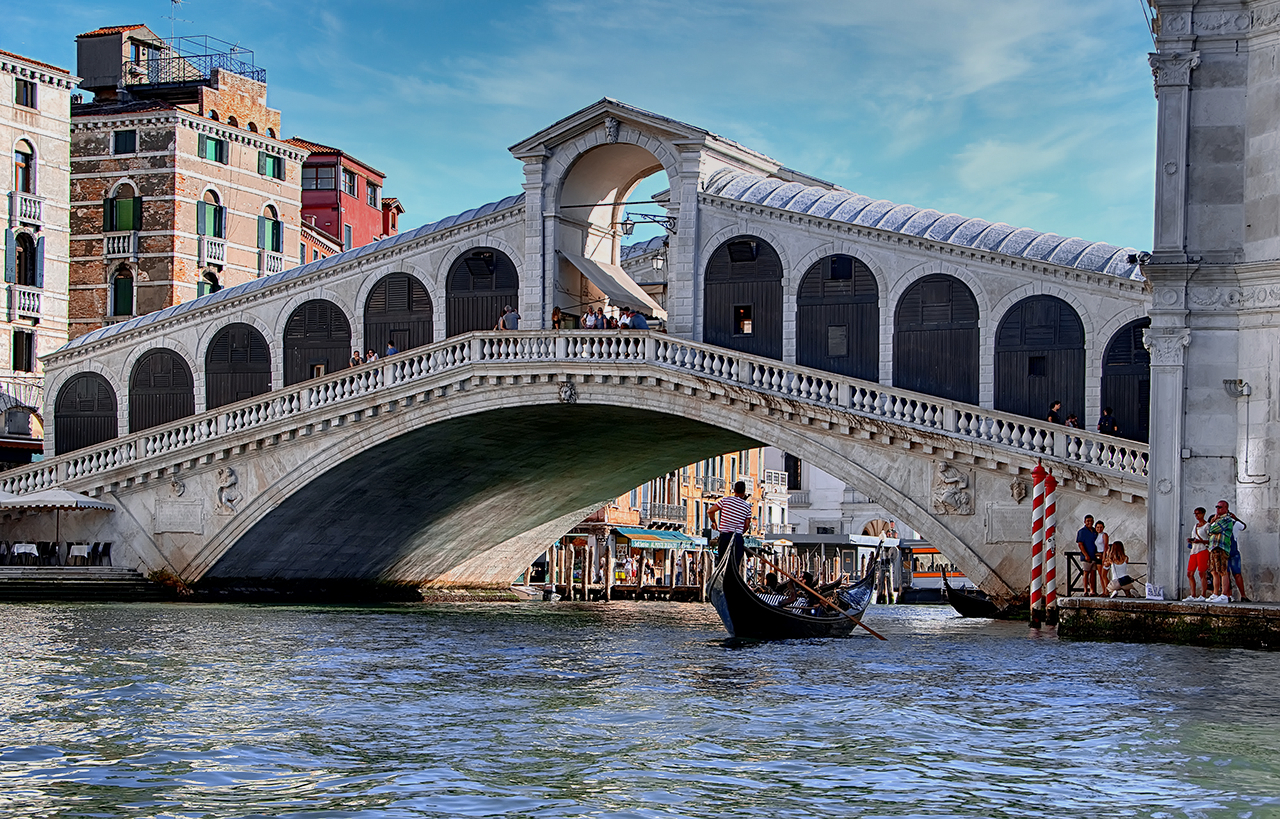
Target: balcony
<point>120,245</point>
<point>21,390</point>
<point>775,480</point>
<point>778,529</point>
<point>25,209</point>
<point>24,302</point>
<point>269,262</point>
<point>176,71</point>
<point>212,250</point>
<point>799,497</point>
<point>668,512</point>
<point>711,484</point>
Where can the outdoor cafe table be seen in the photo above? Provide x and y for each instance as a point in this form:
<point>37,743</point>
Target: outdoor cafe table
<point>79,550</point>
<point>25,549</point>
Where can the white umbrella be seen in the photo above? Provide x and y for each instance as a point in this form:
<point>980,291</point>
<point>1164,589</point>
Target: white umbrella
<point>54,500</point>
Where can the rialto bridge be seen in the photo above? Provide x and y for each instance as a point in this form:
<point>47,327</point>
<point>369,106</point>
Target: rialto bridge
<point>910,353</point>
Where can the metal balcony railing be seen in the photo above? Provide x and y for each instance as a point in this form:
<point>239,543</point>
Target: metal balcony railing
<point>670,512</point>
<point>711,483</point>
<point>24,302</point>
<point>120,245</point>
<point>25,209</point>
<point>191,60</point>
<point>212,250</point>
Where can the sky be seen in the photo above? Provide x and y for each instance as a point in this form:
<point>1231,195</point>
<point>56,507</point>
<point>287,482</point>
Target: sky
<point>1039,114</point>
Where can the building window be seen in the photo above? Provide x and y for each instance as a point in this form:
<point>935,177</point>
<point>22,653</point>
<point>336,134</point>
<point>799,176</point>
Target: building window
<point>742,320</point>
<point>121,212</point>
<point>211,217</point>
<point>270,231</point>
<point>214,150</point>
<point>372,191</point>
<point>124,142</point>
<point>24,351</point>
<point>28,263</point>
<point>837,340</point>
<point>791,465</point>
<point>122,293</point>
<point>318,178</point>
<point>270,165</point>
<point>24,168</point>
<point>348,182</point>
<point>346,237</point>
<point>24,93</point>
<point>302,252</point>
<point>315,254</point>
<point>208,284</point>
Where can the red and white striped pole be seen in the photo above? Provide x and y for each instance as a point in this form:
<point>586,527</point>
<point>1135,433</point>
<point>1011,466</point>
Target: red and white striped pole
<point>1050,549</point>
<point>1037,542</point>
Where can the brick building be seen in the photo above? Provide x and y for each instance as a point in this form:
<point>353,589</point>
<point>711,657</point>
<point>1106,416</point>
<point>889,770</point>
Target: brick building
<point>34,106</point>
<point>180,184</point>
<point>342,196</point>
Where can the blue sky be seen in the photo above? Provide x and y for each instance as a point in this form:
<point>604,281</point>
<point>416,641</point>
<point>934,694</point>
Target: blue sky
<point>1039,114</point>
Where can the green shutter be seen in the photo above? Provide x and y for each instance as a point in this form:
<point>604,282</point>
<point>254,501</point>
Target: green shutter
<point>277,237</point>
<point>222,151</point>
<point>10,256</point>
<point>40,262</point>
<point>108,215</point>
<point>262,232</point>
<point>263,158</point>
<point>279,167</point>
<point>204,147</point>
<point>202,219</point>
<point>137,213</point>
<point>219,221</point>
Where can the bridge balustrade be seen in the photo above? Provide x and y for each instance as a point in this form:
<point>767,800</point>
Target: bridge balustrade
<point>864,398</point>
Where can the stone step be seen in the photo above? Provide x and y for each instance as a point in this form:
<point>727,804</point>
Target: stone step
<point>75,584</point>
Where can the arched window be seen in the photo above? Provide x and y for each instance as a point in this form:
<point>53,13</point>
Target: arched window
<point>122,292</point>
<point>24,262</point>
<point>1040,358</point>
<point>253,127</point>
<point>237,366</point>
<point>270,230</point>
<point>233,122</point>
<point>743,303</point>
<point>317,340</point>
<point>122,211</point>
<point>211,216</point>
<point>208,284</point>
<point>480,284</point>
<point>160,390</point>
<point>935,339</point>
<point>1126,381</point>
<point>84,413</point>
<point>24,167</point>
<point>213,115</point>
<point>838,318</point>
<point>271,132</point>
<point>398,310</point>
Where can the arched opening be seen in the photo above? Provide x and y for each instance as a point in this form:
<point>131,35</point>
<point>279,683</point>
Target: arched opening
<point>122,291</point>
<point>237,365</point>
<point>24,167</point>
<point>480,284</point>
<point>84,413</point>
<point>213,115</point>
<point>317,340</point>
<point>211,216</point>
<point>122,211</point>
<point>742,307</point>
<point>208,283</point>
<point>271,132</point>
<point>233,122</point>
<point>253,127</point>
<point>398,311</point>
<point>26,260</point>
<point>935,339</point>
<point>1039,358</point>
<point>838,318</point>
<point>270,230</point>
<point>1126,381</point>
<point>160,390</point>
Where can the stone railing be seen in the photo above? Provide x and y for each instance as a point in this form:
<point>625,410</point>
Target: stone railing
<point>24,302</point>
<point>269,263</point>
<point>120,245</point>
<point>651,350</point>
<point>798,497</point>
<point>212,250</point>
<point>672,512</point>
<point>25,209</point>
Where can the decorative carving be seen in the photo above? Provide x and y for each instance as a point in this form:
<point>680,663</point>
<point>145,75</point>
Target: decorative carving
<point>1164,486</point>
<point>568,393</point>
<point>1173,69</point>
<point>1170,168</point>
<point>1224,22</point>
<point>611,128</point>
<point>228,495</point>
<point>1018,489</point>
<point>1167,296</point>
<point>1166,344</point>
<point>951,493</point>
<point>1175,24</point>
<point>177,487</point>
<point>1266,17</point>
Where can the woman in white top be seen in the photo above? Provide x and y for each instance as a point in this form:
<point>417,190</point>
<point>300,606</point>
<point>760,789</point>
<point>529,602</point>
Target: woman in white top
<point>1198,562</point>
<point>1118,566</point>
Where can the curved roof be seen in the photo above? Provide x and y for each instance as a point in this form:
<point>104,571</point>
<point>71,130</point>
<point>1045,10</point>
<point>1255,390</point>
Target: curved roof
<point>294,272</point>
<point>845,206</point>
<point>641,248</point>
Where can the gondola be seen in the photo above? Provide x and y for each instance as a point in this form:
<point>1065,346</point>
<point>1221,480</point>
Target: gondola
<point>748,616</point>
<point>969,604</point>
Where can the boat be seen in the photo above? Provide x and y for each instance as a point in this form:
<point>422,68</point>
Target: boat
<point>970,603</point>
<point>752,616</point>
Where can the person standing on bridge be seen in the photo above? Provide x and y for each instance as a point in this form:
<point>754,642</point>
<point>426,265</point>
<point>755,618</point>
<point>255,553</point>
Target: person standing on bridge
<point>638,321</point>
<point>731,516</point>
<point>510,320</point>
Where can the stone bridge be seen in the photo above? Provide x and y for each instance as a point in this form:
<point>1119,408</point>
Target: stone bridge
<point>454,463</point>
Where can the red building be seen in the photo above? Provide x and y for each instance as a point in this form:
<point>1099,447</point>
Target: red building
<point>342,196</point>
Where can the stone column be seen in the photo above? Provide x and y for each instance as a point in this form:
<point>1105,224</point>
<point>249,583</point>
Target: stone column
<point>684,316</point>
<point>1167,346</point>
<point>537,281</point>
<point>1173,89</point>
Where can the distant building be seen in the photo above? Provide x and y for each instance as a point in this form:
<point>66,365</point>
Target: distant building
<point>34,105</point>
<point>180,182</point>
<point>314,244</point>
<point>342,196</point>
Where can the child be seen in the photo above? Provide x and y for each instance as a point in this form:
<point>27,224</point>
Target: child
<point>1118,565</point>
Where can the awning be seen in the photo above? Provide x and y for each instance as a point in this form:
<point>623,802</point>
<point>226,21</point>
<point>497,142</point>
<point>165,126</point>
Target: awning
<point>614,282</point>
<point>657,537</point>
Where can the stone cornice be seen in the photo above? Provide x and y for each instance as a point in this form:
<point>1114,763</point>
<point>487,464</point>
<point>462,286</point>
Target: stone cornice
<point>40,74</point>
<point>110,122</point>
<point>1072,274</point>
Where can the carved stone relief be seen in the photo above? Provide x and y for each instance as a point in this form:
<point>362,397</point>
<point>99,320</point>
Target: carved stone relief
<point>568,393</point>
<point>1166,344</point>
<point>1221,22</point>
<point>611,128</point>
<point>1018,489</point>
<point>228,494</point>
<point>952,494</point>
<point>1173,69</point>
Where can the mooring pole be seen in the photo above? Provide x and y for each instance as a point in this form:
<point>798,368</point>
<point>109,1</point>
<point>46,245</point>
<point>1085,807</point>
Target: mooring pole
<point>1037,542</point>
<point>1050,550</point>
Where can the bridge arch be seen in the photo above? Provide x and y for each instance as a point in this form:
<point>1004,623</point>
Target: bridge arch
<point>481,281</point>
<point>398,308</point>
<point>936,339</point>
<point>1039,358</point>
<point>1126,380</point>
<point>742,296</point>
<point>237,365</point>
<point>838,317</point>
<point>568,154</point>
<point>316,340</point>
<point>161,389</point>
<point>85,412</point>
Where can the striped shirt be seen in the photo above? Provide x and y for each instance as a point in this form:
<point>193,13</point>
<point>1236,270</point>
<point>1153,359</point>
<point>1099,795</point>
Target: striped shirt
<point>734,514</point>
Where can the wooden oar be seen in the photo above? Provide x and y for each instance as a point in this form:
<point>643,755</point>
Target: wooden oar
<point>829,604</point>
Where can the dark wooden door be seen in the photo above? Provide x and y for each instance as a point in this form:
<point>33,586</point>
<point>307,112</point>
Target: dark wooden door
<point>399,310</point>
<point>85,413</point>
<point>1126,381</point>
<point>237,366</point>
<point>838,318</point>
<point>935,339</point>
<point>742,307</point>
<point>480,284</point>
<point>317,340</point>
<point>161,390</point>
<point>1039,358</point>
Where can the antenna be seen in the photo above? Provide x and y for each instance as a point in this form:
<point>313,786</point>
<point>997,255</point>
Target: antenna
<point>173,17</point>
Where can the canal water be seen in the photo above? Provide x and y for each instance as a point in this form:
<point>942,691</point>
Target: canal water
<point>614,710</point>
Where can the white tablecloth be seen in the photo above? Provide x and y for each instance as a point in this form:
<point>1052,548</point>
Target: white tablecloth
<point>25,549</point>
<point>79,550</point>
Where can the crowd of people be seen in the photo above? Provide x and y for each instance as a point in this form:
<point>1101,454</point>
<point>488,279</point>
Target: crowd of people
<point>1107,423</point>
<point>1103,561</point>
<point>371,355</point>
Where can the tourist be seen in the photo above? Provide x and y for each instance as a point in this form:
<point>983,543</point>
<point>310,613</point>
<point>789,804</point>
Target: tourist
<point>1086,542</point>
<point>638,321</point>
<point>588,320</point>
<point>1073,421</point>
<point>1222,536</point>
<point>555,318</point>
<point>731,516</point>
<point>1054,417</point>
<point>1118,566</point>
<point>602,323</point>
<point>356,360</point>
<point>771,584</point>
<point>1102,546</point>
<point>624,318</point>
<point>370,356</point>
<point>510,320</point>
<point>1107,423</point>
<point>391,348</point>
<point>1198,562</point>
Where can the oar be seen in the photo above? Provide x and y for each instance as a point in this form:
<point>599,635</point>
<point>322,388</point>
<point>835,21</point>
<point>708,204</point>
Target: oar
<point>829,604</point>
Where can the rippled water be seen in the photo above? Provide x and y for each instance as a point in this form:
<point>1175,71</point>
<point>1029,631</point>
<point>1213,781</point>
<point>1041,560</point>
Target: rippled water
<point>620,709</point>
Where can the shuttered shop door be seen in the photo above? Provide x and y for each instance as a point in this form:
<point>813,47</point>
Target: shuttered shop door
<point>480,283</point>
<point>317,340</point>
<point>85,413</point>
<point>160,390</point>
<point>743,297</point>
<point>935,340</point>
<point>1039,358</point>
<point>1126,381</point>
<point>838,318</point>
<point>398,309</point>
<point>237,365</point>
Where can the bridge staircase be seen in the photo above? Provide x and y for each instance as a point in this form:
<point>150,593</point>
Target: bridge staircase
<point>28,584</point>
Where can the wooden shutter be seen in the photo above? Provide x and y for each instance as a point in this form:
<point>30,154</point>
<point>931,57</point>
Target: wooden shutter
<point>137,213</point>
<point>39,262</point>
<point>10,256</point>
<point>204,147</point>
<point>202,219</point>
<point>262,232</point>
<point>262,163</point>
<point>108,215</point>
<point>219,221</point>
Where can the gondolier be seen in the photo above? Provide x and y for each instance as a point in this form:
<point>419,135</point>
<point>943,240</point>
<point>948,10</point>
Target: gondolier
<point>731,515</point>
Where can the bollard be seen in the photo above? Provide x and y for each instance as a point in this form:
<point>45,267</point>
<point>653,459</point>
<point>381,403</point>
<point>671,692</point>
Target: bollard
<point>1037,541</point>
<point>1050,550</point>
